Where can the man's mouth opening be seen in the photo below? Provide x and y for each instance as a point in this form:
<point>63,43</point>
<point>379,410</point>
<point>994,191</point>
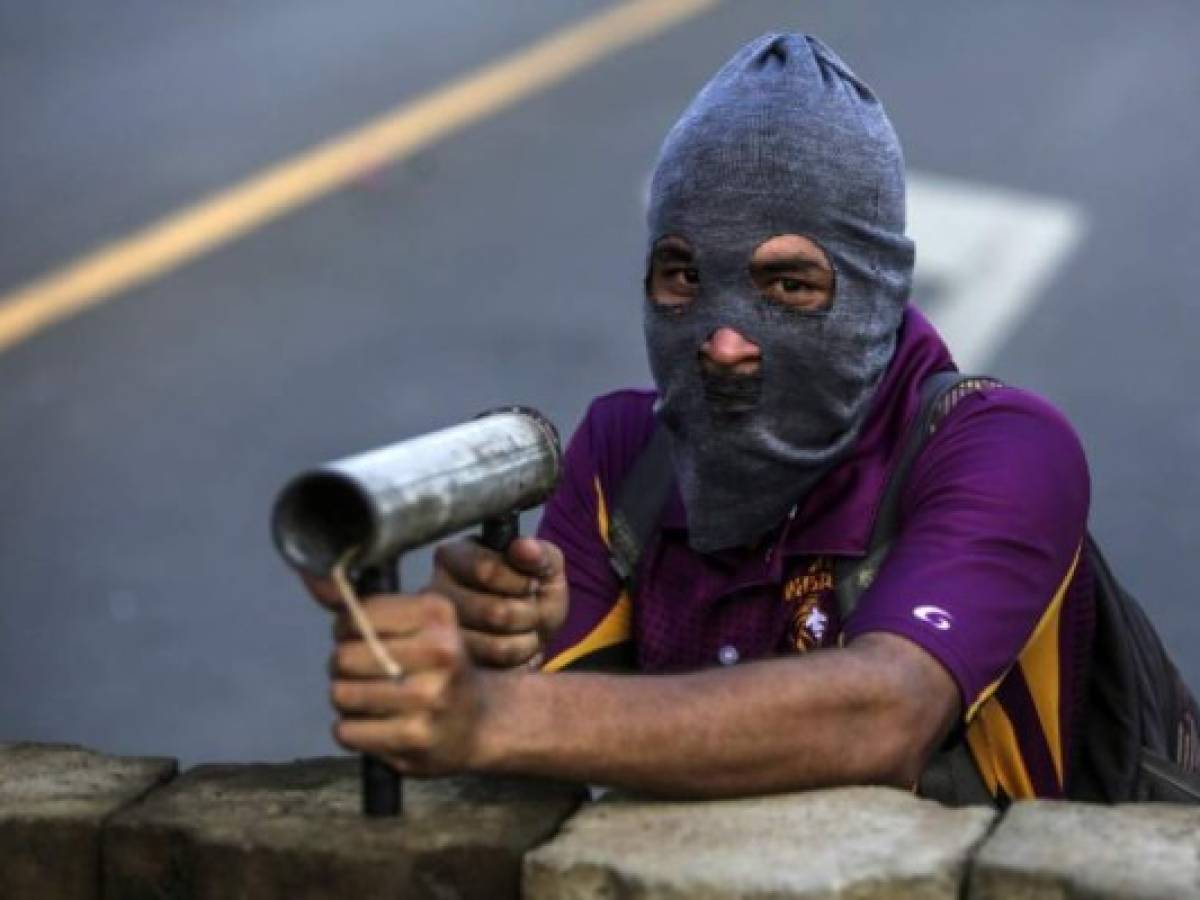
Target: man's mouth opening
<point>728,395</point>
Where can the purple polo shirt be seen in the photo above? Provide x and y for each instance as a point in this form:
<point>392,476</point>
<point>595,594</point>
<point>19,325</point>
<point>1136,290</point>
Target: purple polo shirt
<point>985,574</point>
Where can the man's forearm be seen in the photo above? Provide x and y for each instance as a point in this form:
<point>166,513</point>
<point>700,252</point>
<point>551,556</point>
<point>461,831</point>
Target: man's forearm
<point>835,717</point>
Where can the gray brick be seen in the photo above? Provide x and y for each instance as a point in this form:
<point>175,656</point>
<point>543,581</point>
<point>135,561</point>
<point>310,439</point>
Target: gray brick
<point>1059,850</point>
<point>294,831</point>
<point>854,842</point>
<point>53,801</point>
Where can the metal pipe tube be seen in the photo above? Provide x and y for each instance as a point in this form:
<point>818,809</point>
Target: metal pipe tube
<point>408,494</point>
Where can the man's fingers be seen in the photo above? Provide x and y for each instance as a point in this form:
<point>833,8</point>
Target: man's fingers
<point>421,692</point>
<point>500,615</point>
<point>478,568</point>
<point>501,651</point>
<point>541,559</point>
<point>552,579</point>
<point>396,615</point>
<point>436,647</point>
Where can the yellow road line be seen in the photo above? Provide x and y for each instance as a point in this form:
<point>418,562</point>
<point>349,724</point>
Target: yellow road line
<point>225,216</point>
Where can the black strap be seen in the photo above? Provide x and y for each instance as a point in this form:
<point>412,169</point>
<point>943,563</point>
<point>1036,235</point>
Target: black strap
<point>940,393</point>
<point>951,775</point>
<point>632,522</point>
<point>1165,780</point>
<point>639,505</point>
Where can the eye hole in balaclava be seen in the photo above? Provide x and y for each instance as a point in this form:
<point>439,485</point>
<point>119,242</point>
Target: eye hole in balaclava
<point>794,272</point>
<point>790,270</point>
<point>672,277</point>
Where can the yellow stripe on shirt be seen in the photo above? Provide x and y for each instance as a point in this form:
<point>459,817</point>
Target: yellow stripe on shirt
<point>613,629</point>
<point>1040,663</point>
<point>990,733</point>
<point>601,514</point>
<point>984,696</point>
<point>977,741</point>
<point>996,737</point>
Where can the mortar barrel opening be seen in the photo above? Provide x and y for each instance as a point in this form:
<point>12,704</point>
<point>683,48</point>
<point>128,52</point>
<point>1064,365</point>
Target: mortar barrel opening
<point>318,518</point>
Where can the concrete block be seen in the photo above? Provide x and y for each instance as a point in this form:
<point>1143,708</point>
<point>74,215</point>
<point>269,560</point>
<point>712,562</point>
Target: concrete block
<point>295,831</point>
<point>1048,850</point>
<point>852,842</point>
<point>54,799</point>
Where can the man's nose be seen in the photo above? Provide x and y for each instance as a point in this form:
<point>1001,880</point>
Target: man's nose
<point>730,349</point>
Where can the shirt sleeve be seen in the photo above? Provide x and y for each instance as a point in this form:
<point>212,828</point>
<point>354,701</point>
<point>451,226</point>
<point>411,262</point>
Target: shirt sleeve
<point>576,521</point>
<point>992,520</point>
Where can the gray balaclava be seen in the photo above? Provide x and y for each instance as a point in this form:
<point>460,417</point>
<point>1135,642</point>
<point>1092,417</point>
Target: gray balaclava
<point>784,139</point>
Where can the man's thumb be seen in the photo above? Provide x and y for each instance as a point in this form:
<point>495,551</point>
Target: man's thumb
<point>533,557</point>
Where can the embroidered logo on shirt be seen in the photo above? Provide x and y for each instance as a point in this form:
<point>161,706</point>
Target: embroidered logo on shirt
<point>809,592</point>
<point>815,623</point>
<point>818,578</point>
<point>935,616</point>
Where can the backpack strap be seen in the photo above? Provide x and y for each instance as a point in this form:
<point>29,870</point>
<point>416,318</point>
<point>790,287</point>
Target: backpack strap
<point>632,522</point>
<point>950,775</point>
<point>940,393</point>
<point>639,505</point>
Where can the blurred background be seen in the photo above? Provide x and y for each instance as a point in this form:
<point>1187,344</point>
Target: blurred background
<point>1053,146</point>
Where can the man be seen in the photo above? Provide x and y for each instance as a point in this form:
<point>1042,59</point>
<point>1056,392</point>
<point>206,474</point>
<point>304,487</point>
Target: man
<point>788,366</point>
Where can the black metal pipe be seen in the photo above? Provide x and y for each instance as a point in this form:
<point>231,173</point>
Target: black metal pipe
<point>382,788</point>
<point>499,532</point>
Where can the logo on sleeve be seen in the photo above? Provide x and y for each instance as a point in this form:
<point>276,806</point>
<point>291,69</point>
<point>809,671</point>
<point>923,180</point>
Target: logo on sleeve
<point>935,616</point>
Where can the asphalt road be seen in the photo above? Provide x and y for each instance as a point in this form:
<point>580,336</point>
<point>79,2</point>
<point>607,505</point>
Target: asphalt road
<point>141,442</point>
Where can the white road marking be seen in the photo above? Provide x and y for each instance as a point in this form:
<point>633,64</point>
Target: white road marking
<point>984,256</point>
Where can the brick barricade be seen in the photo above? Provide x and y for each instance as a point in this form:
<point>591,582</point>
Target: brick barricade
<point>279,832</point>
<point>80,824</point>
<point>54,803</point>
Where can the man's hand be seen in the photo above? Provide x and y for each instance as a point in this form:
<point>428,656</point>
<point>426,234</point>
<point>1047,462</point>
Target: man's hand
<point>509,604</point>
<point>426,722</point>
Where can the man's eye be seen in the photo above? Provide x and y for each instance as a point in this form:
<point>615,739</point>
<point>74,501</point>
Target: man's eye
<point>683,276</point>
<point>795,285</point>
<point>674,285</point>
<point>804,293</point>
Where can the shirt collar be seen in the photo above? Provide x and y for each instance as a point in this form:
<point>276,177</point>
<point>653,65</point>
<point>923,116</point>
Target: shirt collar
<point>836,516</point>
